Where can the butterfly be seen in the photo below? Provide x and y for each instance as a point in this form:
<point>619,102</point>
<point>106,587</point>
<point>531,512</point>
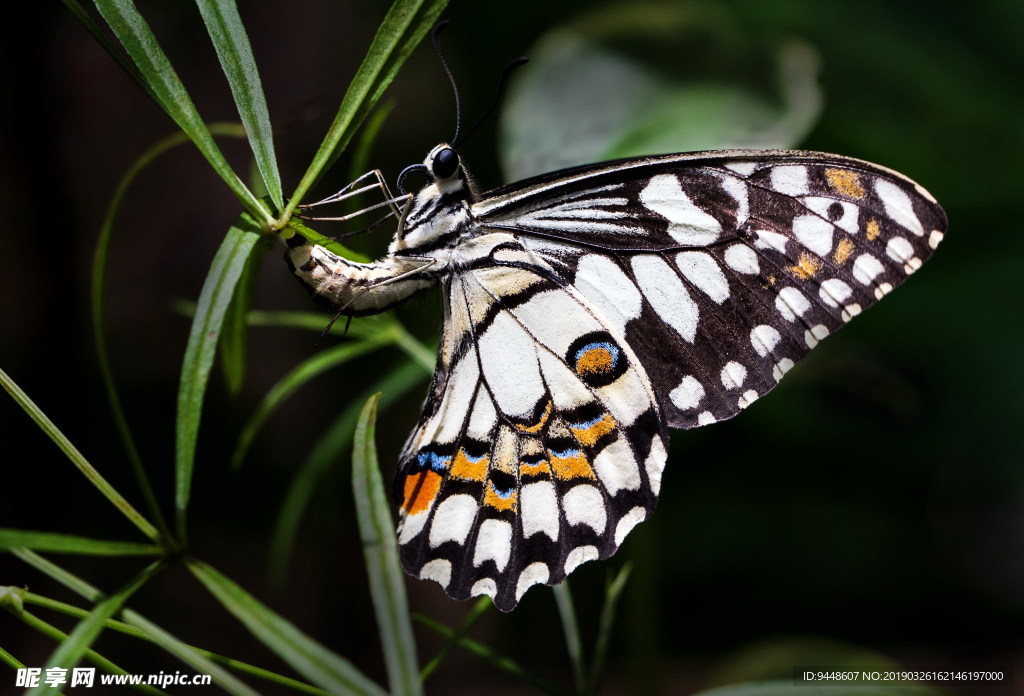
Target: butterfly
<point>587,311</point>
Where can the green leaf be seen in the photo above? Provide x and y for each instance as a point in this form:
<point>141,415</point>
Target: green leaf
<point>235,53</point>
<point>134,632</point>
<point>57,635</point>
<point>235,329</point>
<point>304,372</point>
<point>308,657</point>
<point>221,677</point>
<point>67,543</point>
<point>336,440</point>
<point>218,289</point>
<point>314,237</point>
<point>48,427</point>
<point>70,652</point>
<point>141,45</point>
<point>387,582</point>
<point>571,629</point>
<point>404,26</point>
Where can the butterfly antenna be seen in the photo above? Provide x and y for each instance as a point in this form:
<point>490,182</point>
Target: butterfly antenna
<point>497,99</point>
<point>435,37</point>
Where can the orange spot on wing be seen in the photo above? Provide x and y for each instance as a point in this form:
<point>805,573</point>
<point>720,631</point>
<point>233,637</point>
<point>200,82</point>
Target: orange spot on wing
<point>572,466</point>
<point>843,251</point>
<point>537,469</point>
<point>845,182</point>
<point>465,468</point>
<point>492,498</point>
<point>806,267</point>
<point>873,229</point>
<point>594,361</point>
<point>592,433</point>
<point>420,490</point>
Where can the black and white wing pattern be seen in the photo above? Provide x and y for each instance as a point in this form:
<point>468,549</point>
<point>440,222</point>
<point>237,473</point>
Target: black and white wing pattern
<point>588,310</point>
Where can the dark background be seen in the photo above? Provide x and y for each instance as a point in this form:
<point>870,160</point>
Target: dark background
<point>874,502</point>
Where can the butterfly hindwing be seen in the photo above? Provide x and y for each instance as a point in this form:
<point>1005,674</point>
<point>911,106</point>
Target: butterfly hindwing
<point>543,448</point>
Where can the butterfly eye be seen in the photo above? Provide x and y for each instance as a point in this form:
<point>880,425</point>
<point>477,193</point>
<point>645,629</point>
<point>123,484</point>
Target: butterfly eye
<point>445,164</point>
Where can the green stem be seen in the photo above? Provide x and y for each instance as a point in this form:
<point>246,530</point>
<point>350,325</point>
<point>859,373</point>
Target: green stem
<point>478,610</point>
<point>92,656</point>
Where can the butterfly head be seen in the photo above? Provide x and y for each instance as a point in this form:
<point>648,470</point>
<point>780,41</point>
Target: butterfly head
<point>444,167</point>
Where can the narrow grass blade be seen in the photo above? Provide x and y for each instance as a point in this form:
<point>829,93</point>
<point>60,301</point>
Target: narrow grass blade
<point>214,299</point>
<point>612,594</point>
<point>48,427</point>
<point>480,650</point>
<point>478,610</point>
<point>360,161</point>
<point>361,327</point>
<point>404,26</point>
<point>141,45</point>
<point>314,237</point>
<point>71,650</point>
<point>304,372</point>
<point>239,66</point>
<point>336,440</point>
<point>67,543</point>
<point>129,630</point>
<point>571,628</point>
<point>308,657</point>
<point>221,677</point>
<point>97,296</point>
<point>380,548</point>
<point>91,656</point>
<point>10,660</point>
<point>235,330</point>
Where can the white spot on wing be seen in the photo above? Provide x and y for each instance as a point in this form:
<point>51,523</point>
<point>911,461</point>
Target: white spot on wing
<point>815,334</point>
<point>667,295</point>
<point>781,368</point>
<point>834,292</point>
<point>701,269</point>
<point>453,520</point>
<point>733,375</point>
<point>688,394</point>
<point>655,464</point>
<point>934,238</point>
<point>738,190</point>
<point>585,505</point>
<point>705,418</point>
<point>539,509</point>
<point>821,205</point>
<point>790,179</point>
<point>493,542</point>
<point>768,239</point>
<point>580,555</point>
<point>814,233</point>
<point>866,268</point>
<point>484,586</point>
<point>791,303</point>
<point>898,206</point>
<point>533,574</point>
<point>627,522</point>
<point>602,281</point>
<point>438,570</point>
<point>617,468</point>
<point>411,525</point>
<point>687,223</point>
<point>764,338</point>
<point>748,397</point>
<point>505,343</point>
<point>742,168</point>
<point>742,259</point>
